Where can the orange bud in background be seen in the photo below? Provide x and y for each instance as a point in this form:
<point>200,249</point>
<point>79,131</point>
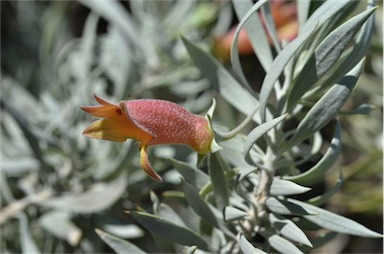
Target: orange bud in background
<point>285,18</point>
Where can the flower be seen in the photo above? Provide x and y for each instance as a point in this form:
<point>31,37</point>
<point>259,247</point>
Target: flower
<point>150,122</point>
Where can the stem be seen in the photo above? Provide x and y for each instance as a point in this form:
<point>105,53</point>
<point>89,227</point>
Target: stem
<point>238,129</point>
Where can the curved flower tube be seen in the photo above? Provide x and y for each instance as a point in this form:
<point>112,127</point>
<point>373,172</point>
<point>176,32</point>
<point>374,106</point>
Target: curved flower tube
<point>150,122</point>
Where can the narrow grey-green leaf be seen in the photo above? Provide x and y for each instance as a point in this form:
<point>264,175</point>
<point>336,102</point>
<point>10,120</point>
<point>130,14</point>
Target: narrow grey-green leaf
<point>285,207</point>
<point>282,245</point>
<point>233,153</point>
<point>59,224</point>
<point>256,35</point>
<point>285,188</point>
<point>289,230</point>
<point>169,231</point>
<point>191,250</point>
<point>334,221</point>
<point>244,172</point>
<point>323,239</point>
<point>325,56</point>
<point>363,109</point>
<point>302,12</point>
<point>98,198</point>
<point>216,169</point>
<point>277,68</point>
<point>198,204</point>
<point>124,230</point>
<point>326,108</point>
<point>118,244</point>
<point>193,175</point>
<point>178,11</point>
<point>317,172</point>
<point>233,213</point>
<point>166,212</point>
<point>323,198</point>
<point>359,50</point>
<point>260,130</point>
<point>326,11</point>
<point>270,26</point>
<point>115,13</point>
<point>304,224</point>
<point>222,81</point>
<point>247,247</point>
<point>27,243</point>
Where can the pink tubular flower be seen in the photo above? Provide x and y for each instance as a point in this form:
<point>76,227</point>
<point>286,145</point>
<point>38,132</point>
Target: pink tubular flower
<point>150,122</point>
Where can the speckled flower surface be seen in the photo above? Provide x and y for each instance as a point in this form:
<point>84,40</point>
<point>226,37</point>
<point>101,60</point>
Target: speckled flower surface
<point>150,122</point>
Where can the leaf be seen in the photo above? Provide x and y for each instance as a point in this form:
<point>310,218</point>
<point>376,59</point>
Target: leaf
<point>326,108</point>
<point>59,224</point>
<point>115,13</point>
<point>243,173</point>
<point>249,19</point>
<point>325,56</point>
<point>282,245</point>
<point>22,165</point>
<point>277,67</point>
<point>28,245</point>
<point>177,12</point>
<point>174,194</point>
<point>317,172</point>
<point>222,81</point>
<point>284,207</point>
<point>303,7</point>
<point>259,131</point>
<point>191,249</point>
<point>256,35</point>
<point>359,50</point>
<point>289,230</point>
<point>123,230</point>
<point>117,244</point>
<point>247,247</point>
<point>198,204</point>
<point>326,11</point>
<point>269,22</point>
<point>334,221</point>
<point>232,152</point>
<point>193,175</point>
<point>323,198</point>
<point>166,212</point>
<point>286,188</point>
<point>363,109</point>
<point>216,169</point>
<point>169,231</point>
<point>98,198</point>
<point>233,213</point>
<point>323,239</point>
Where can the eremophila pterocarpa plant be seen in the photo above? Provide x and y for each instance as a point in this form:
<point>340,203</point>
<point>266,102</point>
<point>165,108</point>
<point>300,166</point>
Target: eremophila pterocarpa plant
<point>263,184</point>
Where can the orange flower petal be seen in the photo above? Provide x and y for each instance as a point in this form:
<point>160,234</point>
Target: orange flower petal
<point>102,101</point>
<point>146,165</point>
<point>103,111</point>
<point>115,130</point>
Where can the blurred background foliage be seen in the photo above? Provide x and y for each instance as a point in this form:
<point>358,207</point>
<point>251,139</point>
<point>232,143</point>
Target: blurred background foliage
<point>57,186</point>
